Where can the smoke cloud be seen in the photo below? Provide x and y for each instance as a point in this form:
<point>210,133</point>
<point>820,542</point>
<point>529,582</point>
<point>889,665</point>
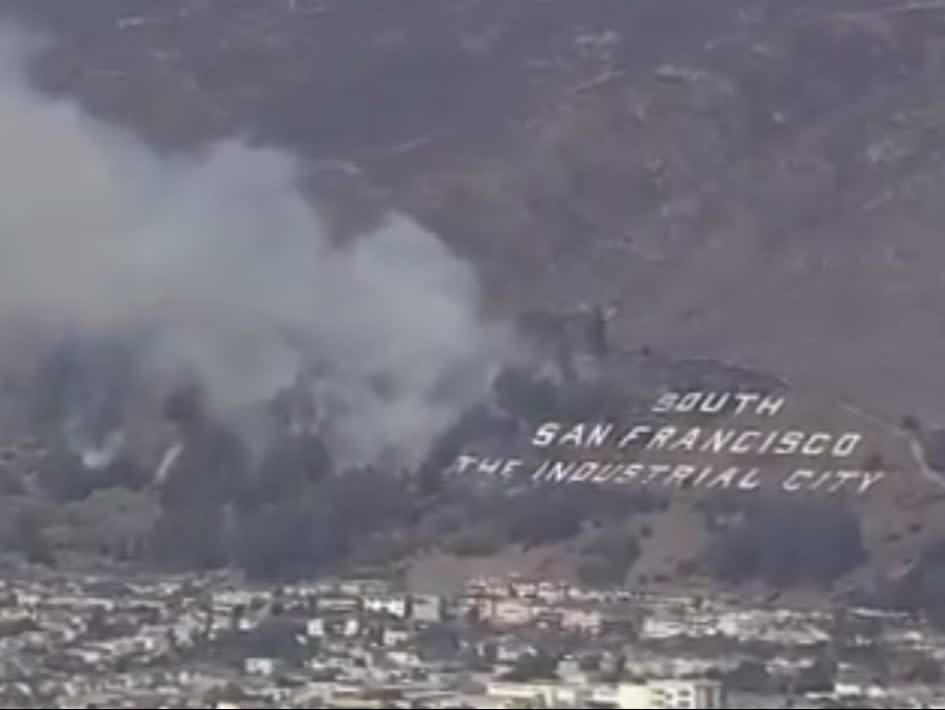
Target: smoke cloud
<point>216,265</point>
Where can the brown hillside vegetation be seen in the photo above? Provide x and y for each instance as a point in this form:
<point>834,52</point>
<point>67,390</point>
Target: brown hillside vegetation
<point>757,183</point>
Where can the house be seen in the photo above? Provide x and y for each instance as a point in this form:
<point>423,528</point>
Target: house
<point>569,669</point>
<point>657,628</point>
<point>351,627</point>
<point>315,628</point>
<point>512,612</point>
<point>542,694</point>
<point>259,666</point>
<point>510,650</point>
<point>525,590</point>
<point>586,620</point>
<point>552,593</point>
<point>395,636</point>
<point>426,608</point>
<point>393,605</point>
<point>680,694</point>
<point>339,604</point>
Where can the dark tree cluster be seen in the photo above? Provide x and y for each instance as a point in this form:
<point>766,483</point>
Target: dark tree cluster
<point>289,539</point>
<point>60,476</point>
<point>547,514</point>
<point>479,541</point>
<point>819,677</point>
<point>291,512</point>
<point>923,589</point>
<point>476,424</point>
<point>608,557</point>
<point>527,396</point>
<point>289,466</point>
<point>533,398</point>
<point>788,543</point>
<point>295,536</point>
<point>64,478</point>
<point>288,515</point>
<point>751,676</point>
<point>538,665</point>
<point>212,470</point>
<point>30,539</point>
<point>543,516</point>
<point>933,445</point>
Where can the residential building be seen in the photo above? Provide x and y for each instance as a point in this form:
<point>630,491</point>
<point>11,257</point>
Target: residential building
<point>426,608</point>
<point>676,694</point>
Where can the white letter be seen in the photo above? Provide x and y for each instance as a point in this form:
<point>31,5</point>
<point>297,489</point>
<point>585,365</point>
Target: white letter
<point>688,441</point>
<point>701,478</point>
<point>824,477</point>
<point>792,483</point>
<point>689,402</point>
<point>770,405</point>
<point>810,450</point>
<point>763,449</point>
<point>727,477</point>
<point>680,475</point>
<point>744,399</point>
<point>606,473</point>
<point>844,477</point>
<point>574,436</point>
<point>464,462</point>
<point>655,471</point>
<point>739,446</point>
<point>718,440</point>
<point>634,434</point>
<point>792,440</point>
<point>715,402</point>
<point>846,445</point>
<point>583,472</point>
<point>661,438</point>
<point>749,481</point>
<point>490,466</point>
<point>545,436</point>
<point>666,402</point>
<point>869,480</point>
<point>599,434</point>
<point>560,470</point>
<point>630,473</point>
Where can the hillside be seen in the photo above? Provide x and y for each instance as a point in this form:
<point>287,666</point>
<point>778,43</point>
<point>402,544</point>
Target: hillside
<point>756,183</point>
<point>603,152</point>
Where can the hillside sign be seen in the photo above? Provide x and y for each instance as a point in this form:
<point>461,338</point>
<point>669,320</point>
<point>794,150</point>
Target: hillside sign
<point>605,453</point>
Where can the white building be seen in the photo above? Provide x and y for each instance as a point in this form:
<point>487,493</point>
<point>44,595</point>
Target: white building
<point>681,694</point>
<point>393,636</point>
<point>656,628</point>
<point>395,606</point>
<point>426,608</point>
<point>260,666</point>
<point>512,612</point>
<point>548,695</point>
<point>315,628</point>
<point>352,628</point>
<point>657,695</point>
<point>588,620</point>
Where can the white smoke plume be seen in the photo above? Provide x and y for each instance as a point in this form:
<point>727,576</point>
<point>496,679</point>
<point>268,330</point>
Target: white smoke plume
<point>212,260</point>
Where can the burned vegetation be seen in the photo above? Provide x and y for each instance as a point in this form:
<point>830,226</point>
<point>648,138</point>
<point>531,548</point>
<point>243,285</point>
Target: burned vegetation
<point>276,502</point>
<point>783,543</point>
<point>283,505</point>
